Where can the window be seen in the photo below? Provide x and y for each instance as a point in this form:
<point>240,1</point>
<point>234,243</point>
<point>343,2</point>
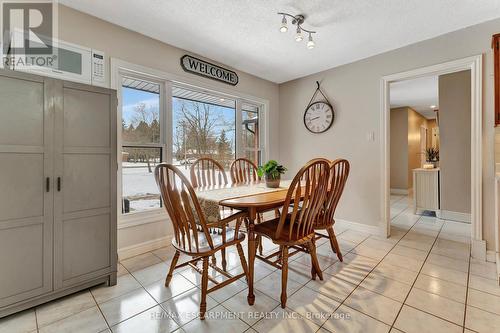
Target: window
<point>250,132</point>
<point>142,147</point>
<point>176,123</point>
<point>203,126</point>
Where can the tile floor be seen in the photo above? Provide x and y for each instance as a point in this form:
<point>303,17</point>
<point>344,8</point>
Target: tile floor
<point>419,280</point>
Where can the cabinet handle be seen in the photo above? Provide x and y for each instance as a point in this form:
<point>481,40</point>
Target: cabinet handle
<point>47,184</point>
<point>58,184</point>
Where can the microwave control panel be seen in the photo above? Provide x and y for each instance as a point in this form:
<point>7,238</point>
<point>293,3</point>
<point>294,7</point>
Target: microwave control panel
<point>98,68</point>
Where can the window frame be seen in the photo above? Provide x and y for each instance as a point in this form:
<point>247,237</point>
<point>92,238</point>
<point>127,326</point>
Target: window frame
<point>121,69</point>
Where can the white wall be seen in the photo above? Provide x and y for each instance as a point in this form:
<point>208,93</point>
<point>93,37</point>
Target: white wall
<point>354,90</point>
<point>85,30</point>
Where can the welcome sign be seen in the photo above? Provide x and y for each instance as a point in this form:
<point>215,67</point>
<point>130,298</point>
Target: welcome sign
<point>200,67</point>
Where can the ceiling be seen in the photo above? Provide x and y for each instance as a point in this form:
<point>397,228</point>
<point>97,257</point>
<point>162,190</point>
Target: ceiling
<point>419,94</point>
<point>245,35</point>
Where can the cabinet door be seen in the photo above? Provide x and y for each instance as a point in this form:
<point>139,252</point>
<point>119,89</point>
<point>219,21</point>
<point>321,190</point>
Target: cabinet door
<point>85,171</point>
<point>26,199</point>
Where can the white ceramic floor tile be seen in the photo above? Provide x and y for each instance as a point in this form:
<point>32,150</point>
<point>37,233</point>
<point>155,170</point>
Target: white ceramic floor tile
<point>484,269</point>
<point>312,305</point>
<point>239,304</point>
<point>396,273</point>
<point>178,285</point>
<point>154,320</point>
<point>403,262</point>
<point>64,307</point>
<point>409,252</point>
<point>451,249</point>
<point>165,253</point>
<point>152,273</point>
<point>390,288</point>
<point>451,263</point>
<point>186,306</point>
<point>87,321</point>
<point>484,301</point>
<point>140,262</point>
<point>374,305</point>
<point>354,236</point>
<point>121,308</point>
<point>217,320</point>
<point>444,273</point>
<point>332,287</point>
<point>22,322</point>
<point>411,320</point>
<point>271,286</point>
<point>483,284</point>
<point>285,320</point>
<point>346,319</point>
<point>454,291</point>
<point>481,321</point>
<point>354,268</point>
<point>124,285</point>
<point>439,306</point>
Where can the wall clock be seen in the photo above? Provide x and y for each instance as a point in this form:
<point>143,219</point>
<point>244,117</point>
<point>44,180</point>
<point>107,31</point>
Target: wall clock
<point>319,116</point>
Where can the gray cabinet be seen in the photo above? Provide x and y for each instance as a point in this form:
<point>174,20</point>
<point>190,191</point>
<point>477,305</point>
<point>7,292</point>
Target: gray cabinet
<point>57,188</point>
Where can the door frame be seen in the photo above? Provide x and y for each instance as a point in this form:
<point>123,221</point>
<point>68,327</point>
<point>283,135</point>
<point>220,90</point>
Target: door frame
<point>475,65</point>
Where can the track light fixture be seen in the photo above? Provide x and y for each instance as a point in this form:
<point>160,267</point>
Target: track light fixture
<point>298,20</point>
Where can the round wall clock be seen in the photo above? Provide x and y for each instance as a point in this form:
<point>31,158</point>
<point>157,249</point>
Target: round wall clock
<point>318,117</point>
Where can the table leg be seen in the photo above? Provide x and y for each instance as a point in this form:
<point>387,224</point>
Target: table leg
<point>251,257</point>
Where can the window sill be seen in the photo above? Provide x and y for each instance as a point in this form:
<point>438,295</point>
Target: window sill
<point>136,219</point>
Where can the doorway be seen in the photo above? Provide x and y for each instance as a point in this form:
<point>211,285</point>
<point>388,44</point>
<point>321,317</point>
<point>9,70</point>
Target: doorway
<point>474,64</point>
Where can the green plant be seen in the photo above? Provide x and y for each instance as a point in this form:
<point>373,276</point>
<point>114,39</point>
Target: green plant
<point>432,154</point>
<point>271,169</point>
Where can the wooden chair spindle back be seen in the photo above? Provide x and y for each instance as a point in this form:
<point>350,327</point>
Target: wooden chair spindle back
<point>310,184</point>
<point>206,171</point>
<point>243,171</point>
<point>182,206</point>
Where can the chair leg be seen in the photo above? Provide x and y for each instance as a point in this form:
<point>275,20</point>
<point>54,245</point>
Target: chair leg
<point>242,259</point>
<point>334,244</point>
<point>284,275</point>
<point>204,288</point>
<point>223,250</point>
<point>260,219</point>
<point>315,262</point>
<point>172,268</point>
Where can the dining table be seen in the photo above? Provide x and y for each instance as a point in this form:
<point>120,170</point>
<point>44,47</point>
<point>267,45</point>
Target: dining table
<point>253,198</point>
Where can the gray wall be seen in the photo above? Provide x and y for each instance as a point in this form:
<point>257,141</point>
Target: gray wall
<point>354,90</point>
<point>454,127</point>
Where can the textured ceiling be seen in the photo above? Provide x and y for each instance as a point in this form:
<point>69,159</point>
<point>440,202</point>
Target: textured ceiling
<point>419,94</point>
<point>244,34</point>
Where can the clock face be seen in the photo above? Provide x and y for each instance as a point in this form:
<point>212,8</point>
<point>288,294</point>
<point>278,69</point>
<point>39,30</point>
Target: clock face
<point>318,117</point>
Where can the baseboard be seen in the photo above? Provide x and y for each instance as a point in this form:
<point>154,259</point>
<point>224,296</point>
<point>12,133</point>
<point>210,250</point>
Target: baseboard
<point>498,267</point>
<point>478,250</point>
<point>371,229</point>
<point>136,249</point>
<point>399,191</point>
<point>455,216</point>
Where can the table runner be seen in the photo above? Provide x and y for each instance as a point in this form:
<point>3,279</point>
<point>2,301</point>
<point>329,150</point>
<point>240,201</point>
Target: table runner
<point>209,198</point>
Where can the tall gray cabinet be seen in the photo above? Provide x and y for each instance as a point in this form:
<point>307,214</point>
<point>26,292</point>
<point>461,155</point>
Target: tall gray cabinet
<point>58,202</point>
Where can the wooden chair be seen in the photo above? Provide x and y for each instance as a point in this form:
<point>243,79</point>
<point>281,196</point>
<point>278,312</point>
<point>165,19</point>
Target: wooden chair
<point>191,231</point>
<point>243,171</point>
<point>296,228</point>
<point>339,171</point>
<point>206,171</point>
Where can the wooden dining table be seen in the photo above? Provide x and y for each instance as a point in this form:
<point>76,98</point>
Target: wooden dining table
<point>253,204</point>
<point>253,198</point>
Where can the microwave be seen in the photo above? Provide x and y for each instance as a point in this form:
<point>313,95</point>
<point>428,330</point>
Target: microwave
<point>67,62</point>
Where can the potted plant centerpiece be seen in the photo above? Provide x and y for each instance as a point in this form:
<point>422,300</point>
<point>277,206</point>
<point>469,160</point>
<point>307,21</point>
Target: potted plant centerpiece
<point>271,171</point>
<point>432,156</point>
